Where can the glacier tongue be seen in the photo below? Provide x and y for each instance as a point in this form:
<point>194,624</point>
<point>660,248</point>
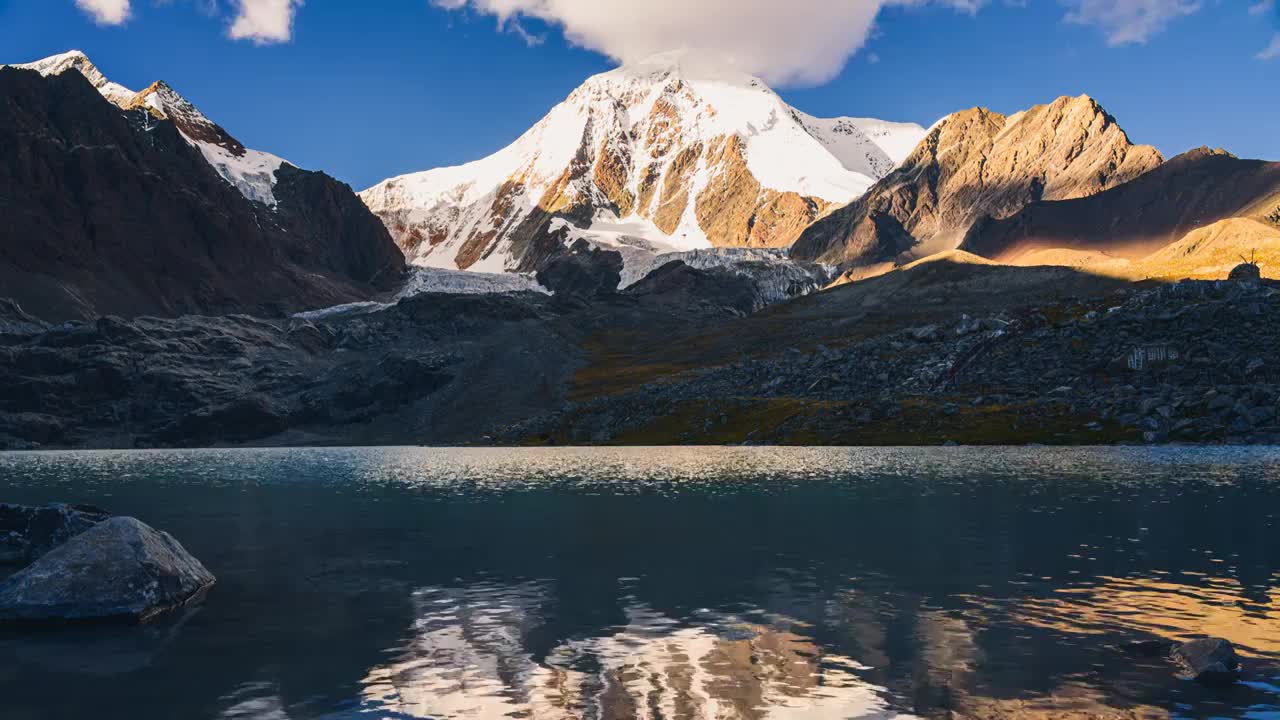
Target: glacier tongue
<point>435,280</point>
<point>459,282</point>
<point>775,275</point>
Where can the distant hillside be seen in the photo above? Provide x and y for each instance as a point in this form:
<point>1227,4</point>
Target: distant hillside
<point>975,165</point>
<point>1192,191</point>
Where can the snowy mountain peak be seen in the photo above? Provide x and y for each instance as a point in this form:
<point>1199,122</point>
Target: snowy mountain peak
<point>78,61</point>
<point>675,152</point>
<point>166,103</point>
<point>251,172</point>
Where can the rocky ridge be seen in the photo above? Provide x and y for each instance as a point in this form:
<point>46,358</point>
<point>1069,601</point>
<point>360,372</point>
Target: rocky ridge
<point>974,165</point>
<point>1149,215</point>
<point>119,212</point>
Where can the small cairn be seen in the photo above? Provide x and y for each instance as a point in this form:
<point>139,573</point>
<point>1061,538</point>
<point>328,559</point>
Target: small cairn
<point>1247,271</point>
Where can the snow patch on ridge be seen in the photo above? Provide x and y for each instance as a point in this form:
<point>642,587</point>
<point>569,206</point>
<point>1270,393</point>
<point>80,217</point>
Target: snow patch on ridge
<point>78,61</point>
<point>253,174</point>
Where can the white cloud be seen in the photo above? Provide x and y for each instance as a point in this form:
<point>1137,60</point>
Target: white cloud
<point>106,12</point>
<point>788,42</point>
<point>1273,50</point>
<point>1262,8</point>
<point>1129,21</point>
<point>264,21</point>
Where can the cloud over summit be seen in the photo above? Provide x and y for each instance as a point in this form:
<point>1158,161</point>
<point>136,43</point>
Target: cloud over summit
<point>787,42</point>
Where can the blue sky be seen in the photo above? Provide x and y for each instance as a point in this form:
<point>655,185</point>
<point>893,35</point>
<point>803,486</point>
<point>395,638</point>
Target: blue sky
<point>366,90</point>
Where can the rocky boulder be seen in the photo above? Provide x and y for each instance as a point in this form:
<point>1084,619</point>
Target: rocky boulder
<point>27,533</point>
<point>119,569</point>
<point>1211,661</point>
<point>1247,272</point>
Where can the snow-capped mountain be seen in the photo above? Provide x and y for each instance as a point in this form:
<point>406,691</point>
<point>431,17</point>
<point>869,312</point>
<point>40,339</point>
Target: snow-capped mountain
<point>252,172</point>
<point>669,154</point>
<point>76,60</point>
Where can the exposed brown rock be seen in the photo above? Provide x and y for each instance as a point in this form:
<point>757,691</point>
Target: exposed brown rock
<point>500,212</point>
<point>648,188</point>
<point>613,167</point>
<point>664,128</point>
<point>735,211</point>
<point>978,164</point>
<point>675,190</point>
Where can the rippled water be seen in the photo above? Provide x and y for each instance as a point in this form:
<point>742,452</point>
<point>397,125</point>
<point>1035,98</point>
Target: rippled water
<point>671,583</point>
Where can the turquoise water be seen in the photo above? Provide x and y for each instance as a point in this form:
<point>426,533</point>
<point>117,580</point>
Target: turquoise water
<point>671,583</point>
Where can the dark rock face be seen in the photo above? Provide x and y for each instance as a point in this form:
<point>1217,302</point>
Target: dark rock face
<point>27,533</point>
<point>113,212</point>
<point>408,373</point>
<point>583,271</point>
<point>714,288</point>
<point>1211,661</point>
<point>119,569</point>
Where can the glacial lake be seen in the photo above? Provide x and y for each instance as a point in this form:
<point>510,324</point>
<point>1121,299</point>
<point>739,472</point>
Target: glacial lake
<point>671,583</point>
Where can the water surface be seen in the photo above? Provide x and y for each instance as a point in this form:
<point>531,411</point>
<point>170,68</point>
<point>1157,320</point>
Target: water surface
<point>671,583</point>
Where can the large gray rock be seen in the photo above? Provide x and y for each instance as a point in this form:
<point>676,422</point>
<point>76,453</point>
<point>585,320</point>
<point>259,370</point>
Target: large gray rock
<point>1246,272</point>
<point>1211,661</point>
<point>28,532</point>
<point>120,569</point>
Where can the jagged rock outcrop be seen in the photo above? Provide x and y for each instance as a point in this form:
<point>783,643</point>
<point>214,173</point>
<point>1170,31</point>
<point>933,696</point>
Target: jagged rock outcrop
<point>118,212</point>
<point>664,155</point>
<point>975,165</point>
<point>1212,661</point>
<point>1191,191</point>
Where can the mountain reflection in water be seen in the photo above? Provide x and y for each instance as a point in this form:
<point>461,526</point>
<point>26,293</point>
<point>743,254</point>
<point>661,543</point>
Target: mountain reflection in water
<point>466,659</point>
<point>673,583</point>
